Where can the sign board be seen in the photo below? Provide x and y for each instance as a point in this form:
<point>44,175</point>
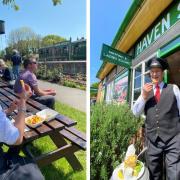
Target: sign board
<point>165,22</point>
<point>114,56</point>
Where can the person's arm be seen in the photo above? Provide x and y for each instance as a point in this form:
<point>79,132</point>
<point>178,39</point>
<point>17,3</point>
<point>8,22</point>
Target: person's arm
<point>139,105</point>
<point>12,134</point>
<point>11,108</point>
<point>41,92</point>
<point>19,120</point>
<point>34,84</point>
<point>177,94</point>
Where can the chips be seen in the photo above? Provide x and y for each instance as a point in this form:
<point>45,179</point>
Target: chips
<point>22,83</point>
<point>130,161</point>
<point>154,81</point>
<point>34,119</point>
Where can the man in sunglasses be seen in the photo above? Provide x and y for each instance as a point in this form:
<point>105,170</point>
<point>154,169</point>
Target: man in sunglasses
<point>160,103</point>
<point>44,96</point>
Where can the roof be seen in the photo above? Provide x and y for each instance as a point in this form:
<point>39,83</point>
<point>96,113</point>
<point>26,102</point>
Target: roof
<point>131,29</point>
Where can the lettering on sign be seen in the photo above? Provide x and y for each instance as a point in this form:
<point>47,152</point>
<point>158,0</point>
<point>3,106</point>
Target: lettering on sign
<point>160,27</point>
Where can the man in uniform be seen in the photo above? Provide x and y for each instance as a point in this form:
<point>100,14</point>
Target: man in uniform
<point>160,103</point>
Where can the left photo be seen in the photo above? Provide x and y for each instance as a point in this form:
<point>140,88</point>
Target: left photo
<point>43,90</point>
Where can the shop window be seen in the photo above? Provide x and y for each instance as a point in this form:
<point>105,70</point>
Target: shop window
<point>137,82</point>
<point>138,71</point>
<point>137,93</point>
<point>109,92</point>
<point>147,78</point>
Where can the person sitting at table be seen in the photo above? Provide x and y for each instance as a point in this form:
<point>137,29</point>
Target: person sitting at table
<point>6,73</point>
<point>44,96</point>
<point>13,166</point>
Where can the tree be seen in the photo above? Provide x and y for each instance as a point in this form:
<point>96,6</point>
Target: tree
<point>95,85</point>
<point>2,54</point>
<point>23,39</point>
<point>94,89</point>
<point>51,39</point>
<point>13,4</point>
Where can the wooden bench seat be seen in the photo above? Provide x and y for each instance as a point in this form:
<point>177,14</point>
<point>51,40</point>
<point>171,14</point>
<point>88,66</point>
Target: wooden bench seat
<point>74,137</point>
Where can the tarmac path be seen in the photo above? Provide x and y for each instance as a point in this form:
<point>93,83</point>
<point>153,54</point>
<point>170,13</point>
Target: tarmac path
<point>73,97</point>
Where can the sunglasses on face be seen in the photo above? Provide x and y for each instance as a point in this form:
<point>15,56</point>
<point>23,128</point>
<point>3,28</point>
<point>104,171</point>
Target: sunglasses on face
<point>33,62</point>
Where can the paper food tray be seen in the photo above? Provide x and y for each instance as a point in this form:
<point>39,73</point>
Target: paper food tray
<point>47,114</point>
<point>33,125</point>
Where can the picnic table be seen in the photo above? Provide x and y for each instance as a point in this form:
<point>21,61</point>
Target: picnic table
<point>3,83</point>
<point>61,131</point>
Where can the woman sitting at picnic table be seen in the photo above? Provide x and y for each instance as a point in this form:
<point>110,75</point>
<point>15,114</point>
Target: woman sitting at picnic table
<point>44,96</point>
<point>13,166</point>
<point>6,73</point>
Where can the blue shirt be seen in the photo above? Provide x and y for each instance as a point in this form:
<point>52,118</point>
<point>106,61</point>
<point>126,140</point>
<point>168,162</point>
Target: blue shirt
<point>8,132</point>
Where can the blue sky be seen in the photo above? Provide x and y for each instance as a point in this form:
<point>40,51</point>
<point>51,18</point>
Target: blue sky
<point>105,20</point>
<point>66,20</point>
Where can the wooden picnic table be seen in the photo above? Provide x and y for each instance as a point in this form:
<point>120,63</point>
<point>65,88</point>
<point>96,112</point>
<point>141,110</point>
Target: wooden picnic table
<point>59,130</point>
<point>3,83</point>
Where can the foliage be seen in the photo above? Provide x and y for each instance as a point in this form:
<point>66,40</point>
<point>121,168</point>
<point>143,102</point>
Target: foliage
<point>95,85</point>
<point>13,4</point>
<point>2,54</point>
<point>51,39</point>
<point>54,73</point>
<point>112,127</point>
<point>93,94</point>
<point>69,84</point>
<point>25,40</point>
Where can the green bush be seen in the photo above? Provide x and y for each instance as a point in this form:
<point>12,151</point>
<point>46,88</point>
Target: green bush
<point>69,84</point>
<point>112,127</point>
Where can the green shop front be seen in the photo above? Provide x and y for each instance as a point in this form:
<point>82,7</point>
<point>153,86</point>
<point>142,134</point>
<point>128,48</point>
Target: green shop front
<point>124,69</point>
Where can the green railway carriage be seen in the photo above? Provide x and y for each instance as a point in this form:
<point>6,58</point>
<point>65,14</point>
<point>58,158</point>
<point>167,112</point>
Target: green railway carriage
<point>71,56</point>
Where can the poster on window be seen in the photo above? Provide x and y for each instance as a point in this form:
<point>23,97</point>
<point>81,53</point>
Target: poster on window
<point>121,88</point>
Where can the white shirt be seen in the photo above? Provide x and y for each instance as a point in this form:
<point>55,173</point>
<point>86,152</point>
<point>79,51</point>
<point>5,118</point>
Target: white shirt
<point>138,107</point>
<point>8,132</point>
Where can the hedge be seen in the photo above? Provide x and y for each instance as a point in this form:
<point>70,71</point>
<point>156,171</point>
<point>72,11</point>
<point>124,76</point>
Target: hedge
<point>112,127</point>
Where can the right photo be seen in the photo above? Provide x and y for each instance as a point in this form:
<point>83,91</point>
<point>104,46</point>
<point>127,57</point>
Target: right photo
<point>134,90</point>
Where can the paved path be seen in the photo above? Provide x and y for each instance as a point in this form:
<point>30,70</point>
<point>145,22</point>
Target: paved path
<point>73,97</point>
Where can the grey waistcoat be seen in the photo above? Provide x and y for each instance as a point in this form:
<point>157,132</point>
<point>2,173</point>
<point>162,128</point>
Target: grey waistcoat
<point>162,118</point>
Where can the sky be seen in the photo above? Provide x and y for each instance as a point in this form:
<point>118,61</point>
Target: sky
<point>66,20</point>
<point>105,20</point>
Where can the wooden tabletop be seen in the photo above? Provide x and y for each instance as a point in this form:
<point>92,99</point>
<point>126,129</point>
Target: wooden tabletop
<point>60,129</point>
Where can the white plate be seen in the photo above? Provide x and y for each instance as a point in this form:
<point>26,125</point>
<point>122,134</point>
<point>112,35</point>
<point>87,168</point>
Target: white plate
<point>47,114</point>
<point>33,125</point>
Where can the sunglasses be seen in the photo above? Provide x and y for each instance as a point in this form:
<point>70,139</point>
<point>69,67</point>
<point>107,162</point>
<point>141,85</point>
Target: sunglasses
<point>33,62</point>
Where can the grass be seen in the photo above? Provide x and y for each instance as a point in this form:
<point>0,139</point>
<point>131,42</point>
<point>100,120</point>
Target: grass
<point>61,169</point>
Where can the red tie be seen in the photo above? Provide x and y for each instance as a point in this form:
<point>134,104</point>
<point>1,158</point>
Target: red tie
<point>157,94</point>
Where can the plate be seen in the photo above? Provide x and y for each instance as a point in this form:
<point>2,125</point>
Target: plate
<point>31,121</point>
<point>47,114</point>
